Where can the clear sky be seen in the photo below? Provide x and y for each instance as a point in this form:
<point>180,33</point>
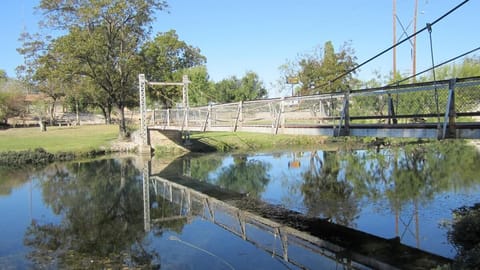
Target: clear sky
<point>260,35</point>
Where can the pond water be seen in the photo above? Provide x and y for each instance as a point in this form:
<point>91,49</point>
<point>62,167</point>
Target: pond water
<point>107,214</point>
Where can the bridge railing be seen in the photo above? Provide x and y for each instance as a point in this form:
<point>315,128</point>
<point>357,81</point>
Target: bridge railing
<point>442,102</point>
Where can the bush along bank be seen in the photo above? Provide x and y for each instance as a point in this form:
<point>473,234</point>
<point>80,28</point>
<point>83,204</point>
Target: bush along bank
<point>39,156</point>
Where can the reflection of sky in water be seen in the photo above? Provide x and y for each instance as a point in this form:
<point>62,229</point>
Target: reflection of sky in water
<point>200,244</point>
<point>17,210</point>
<point>187,247</point>
<point>423,230</point>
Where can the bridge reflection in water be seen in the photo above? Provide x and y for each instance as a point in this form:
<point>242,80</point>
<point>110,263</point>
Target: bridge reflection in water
<point>274,238</point>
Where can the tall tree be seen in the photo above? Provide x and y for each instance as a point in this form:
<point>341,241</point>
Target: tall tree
<point>49,79</point>
<point>249,87</point>
<point>321,73</point>
<point>165,57</point>
<point>102,41</point>
<point>201,89</point>
<point>12,101</point>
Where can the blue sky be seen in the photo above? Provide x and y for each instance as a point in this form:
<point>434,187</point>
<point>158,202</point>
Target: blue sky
<point>260,35</point>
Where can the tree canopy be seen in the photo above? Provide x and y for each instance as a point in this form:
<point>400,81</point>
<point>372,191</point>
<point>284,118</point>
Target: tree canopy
<point>232,89</point>
<point>321,71</point>
<point>101,43</point>
<point>165,59</point>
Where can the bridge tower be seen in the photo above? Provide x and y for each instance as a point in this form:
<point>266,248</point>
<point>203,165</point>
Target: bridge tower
<point>142,83</point>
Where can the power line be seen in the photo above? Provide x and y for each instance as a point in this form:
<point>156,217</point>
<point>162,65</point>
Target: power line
<point>396,44</point>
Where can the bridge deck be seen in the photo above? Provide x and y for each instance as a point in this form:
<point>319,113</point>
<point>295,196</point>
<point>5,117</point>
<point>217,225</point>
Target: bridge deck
<point>463,130</point>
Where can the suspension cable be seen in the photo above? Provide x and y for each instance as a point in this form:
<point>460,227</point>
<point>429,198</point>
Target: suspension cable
<point>429,27</point>
<point>396,44</point>
<point>436,66</point>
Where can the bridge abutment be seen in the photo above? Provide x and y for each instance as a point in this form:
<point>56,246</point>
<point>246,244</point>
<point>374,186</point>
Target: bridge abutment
<point>166,139</point>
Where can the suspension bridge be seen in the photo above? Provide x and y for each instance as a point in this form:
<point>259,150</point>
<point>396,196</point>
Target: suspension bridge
<point>440,109</point>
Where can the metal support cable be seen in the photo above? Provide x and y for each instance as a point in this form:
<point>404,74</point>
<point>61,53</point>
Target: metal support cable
<point>396,44</point>
<point>429,27</point>
<point>436,66</point>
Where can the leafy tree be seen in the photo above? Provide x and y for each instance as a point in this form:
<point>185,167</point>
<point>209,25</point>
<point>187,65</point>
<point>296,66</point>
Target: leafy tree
<point>163,59</point>
<point>320,73</point>
<point>3,75</point>
<point>49,79</point>
<point>249,87</point>
<point>12,100</point>
<point>11,104</point>
<point>201,90</point>
<point>102,42</point>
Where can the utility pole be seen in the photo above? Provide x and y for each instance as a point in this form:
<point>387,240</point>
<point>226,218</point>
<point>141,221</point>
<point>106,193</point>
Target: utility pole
<point>413,41</point>
<point>414,53</point>
<point>394,39</point>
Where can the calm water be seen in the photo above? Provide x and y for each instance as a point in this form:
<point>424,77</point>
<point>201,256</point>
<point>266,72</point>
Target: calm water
<point>99,214</point>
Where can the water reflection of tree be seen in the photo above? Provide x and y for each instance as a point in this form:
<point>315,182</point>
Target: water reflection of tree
<point>101,206</point>
<point>325,193</point>
<point>245,175</point>
<point>201,167</point>
<point>412,173</point>
<point>11,178</point>
<point>415,173</point>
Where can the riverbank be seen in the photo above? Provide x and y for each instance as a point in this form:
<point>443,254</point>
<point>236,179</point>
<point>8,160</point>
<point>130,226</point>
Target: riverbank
<point>20,146</point>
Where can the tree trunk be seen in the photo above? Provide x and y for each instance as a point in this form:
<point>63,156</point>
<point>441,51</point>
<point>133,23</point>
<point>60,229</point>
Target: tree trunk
<point>109,114</point>
<point>52,112</point>
<point>77,113</point>
<point>43,126</point>
<point>106,115</point>
<point>122,126</point>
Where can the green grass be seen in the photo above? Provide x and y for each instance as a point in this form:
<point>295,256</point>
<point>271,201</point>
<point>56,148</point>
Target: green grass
<point>58,139</point>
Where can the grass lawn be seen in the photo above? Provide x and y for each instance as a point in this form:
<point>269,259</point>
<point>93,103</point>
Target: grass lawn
<point>58,139</point>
